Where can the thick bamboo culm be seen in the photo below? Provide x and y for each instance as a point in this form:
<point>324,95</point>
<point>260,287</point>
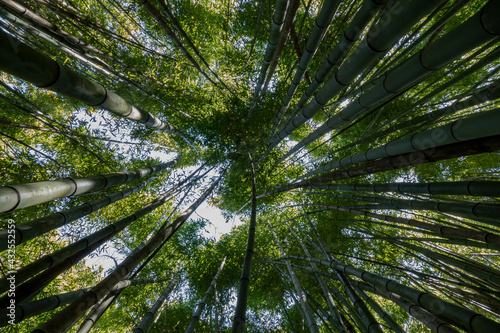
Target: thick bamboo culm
<point>30,65</point>
<point>25,195</point>
<point>366,55</point>
<point>66,318</point>
<point>479,29</point>
<point>37,227</point>
<point>476,126</point>
<point>452,313</point>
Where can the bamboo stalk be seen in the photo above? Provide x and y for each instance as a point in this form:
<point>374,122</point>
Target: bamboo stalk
<point>30,65</point>
<point>148,318</point>
<point>201,306</point>
<point>28,231</point>
<point>66,318</point>
<point>20,196</point>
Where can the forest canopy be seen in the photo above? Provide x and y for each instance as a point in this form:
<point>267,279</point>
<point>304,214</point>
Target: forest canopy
<point>355,141</point>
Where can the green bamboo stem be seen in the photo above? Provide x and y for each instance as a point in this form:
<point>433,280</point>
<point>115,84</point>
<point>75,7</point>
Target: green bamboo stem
<point>106,233</point>
<point>96,312</point>
<point>25,195</point>
<point>483,95</point>
<point>242,298</point>
<point>435,28</point>
<point>31,288</point>
<point>489,275</point>
<point>337,322</point>
<point>350,309</point>
<point>367,318</point>
<point>486,273</point>
<point>325,313</point>
<point>151,9</point>
<point>311,322</point>
<point>34,286</point>
<point>148,318</point>
<point>291,12</point>
<point>201,306</point>
<point>378,42</point>
<point>272,45</point>
<point>488,93</point>
<point>66,43</point>
<point>440,153</point>
<point>288,287</point>
<point>66,318</point>
<point>282,274</point>
<point>99,309</point>
<point>464,129</point>
<point>316,311</point>
<point>322,23</point>
<point>479,29</point>
<point>481,211</point>
<point>415,310</point>
<point>468,188</point>
<point>374,305</point>
<point>454,314</point>
<point>77,48</point>
<point>461,232</point>
<point>30,65</point>
<point>368,9</point>
<point>378,309</point>
<point>28,310</point>
<point>28,231</point>
<point>491,302</point>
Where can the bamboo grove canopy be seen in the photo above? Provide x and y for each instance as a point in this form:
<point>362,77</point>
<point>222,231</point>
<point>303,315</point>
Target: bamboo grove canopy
<point>356,142</point>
